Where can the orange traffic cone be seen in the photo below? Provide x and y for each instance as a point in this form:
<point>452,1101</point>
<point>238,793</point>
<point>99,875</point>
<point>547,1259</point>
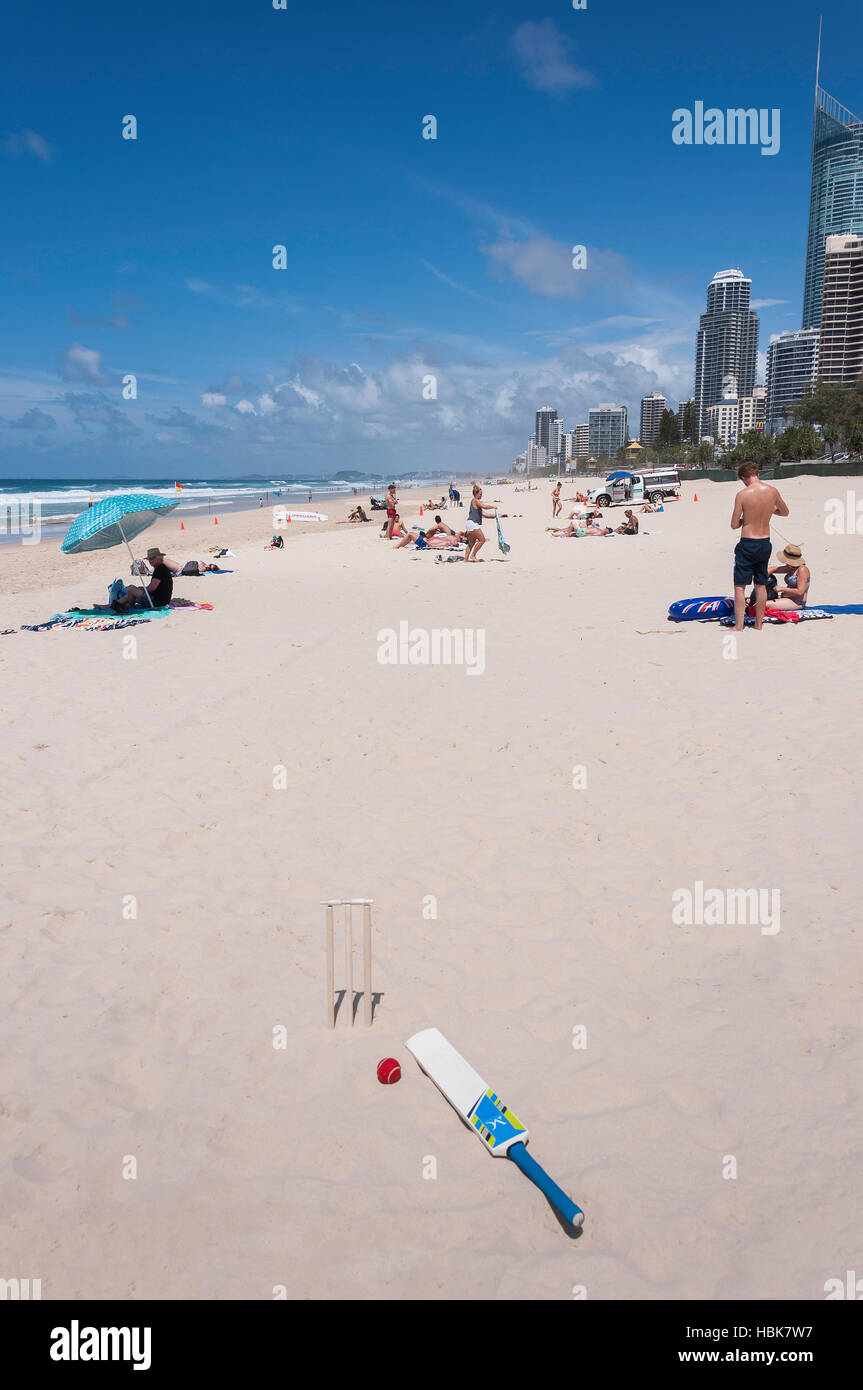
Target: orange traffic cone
<point>421,508</point>
<point>289,518</point>
<point>215,521</point>
<point>182,526</point>
<point>695,498</point>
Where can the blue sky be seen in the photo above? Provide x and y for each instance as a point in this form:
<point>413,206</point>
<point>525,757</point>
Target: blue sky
<point>405,257</point>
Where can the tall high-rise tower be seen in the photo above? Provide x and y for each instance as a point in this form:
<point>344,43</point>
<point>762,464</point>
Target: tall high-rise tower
<point>841,348</point>
<point>836,200</point>
<point>652,407</point>
<point>548,431</point>
<point>792,368</point>
<point>726,355</point>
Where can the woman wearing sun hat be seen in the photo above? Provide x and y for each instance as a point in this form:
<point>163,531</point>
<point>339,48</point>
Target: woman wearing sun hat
<point>797,578</point>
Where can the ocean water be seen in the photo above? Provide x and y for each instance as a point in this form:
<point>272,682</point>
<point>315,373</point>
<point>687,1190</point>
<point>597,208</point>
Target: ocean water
<point>57,501</point>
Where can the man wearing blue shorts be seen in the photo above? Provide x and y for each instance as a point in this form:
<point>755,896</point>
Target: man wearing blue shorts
<point>754,507</point>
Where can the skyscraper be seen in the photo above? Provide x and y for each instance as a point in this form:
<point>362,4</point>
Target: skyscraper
<point>841,351</point>
<point>836,199</point>
<point>792,367</point>
<point>582,442</point>
<point>726,354</point>
<point>607,430</point>
<point>682,411</point>
<point>652,407</point>
<point>547,431</point>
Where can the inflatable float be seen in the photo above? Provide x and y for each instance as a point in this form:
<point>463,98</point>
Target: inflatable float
<point>700,610</point>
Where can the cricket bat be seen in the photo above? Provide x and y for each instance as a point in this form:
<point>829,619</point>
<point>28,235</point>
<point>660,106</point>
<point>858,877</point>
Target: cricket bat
<point>485,1113</point>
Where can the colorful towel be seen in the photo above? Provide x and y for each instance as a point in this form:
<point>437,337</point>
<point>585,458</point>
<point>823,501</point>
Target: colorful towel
<point>781,615</point>
<point>101,618</point>
<point>90,622</point>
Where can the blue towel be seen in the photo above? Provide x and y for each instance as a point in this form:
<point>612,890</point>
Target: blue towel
<point>840,607</point>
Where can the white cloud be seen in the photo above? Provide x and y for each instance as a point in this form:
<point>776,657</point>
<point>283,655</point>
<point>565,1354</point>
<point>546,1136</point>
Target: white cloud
<point>28,142</point>
<point>79,363</point>
<point>545,267</point>
<point>199,287</point>
<point>767,303</point>
<point>542,52</point>
<point>214,398</point>
<point>245,408</point>
<point>266,404</point>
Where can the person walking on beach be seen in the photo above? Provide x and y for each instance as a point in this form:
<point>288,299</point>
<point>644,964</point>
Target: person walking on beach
<point>392,503</point>
<point>754,507</point>
<point>475,537</point>
<point>556,504</point>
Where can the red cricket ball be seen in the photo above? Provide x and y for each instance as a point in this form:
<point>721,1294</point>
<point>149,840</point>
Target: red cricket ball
<point>389,1071</point>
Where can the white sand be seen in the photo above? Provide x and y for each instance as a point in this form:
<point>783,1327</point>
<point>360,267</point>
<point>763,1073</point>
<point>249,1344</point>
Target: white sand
<point>258,1167</point>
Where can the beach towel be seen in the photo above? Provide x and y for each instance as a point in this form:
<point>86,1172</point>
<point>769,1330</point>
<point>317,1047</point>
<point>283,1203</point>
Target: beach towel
<point>832,608</point>
<point>100,618</point>
<point>783,616</point>
<point>89,621</point>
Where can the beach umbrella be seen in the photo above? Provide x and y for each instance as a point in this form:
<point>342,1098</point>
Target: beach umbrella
<point>115,521</point>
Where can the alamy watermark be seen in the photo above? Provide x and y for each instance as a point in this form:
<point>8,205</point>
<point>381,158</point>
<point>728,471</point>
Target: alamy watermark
<point>720,907</point>
<point>735,126</point>
<point>843,516</point>
<point>436,646</point>
<point>22,519</point>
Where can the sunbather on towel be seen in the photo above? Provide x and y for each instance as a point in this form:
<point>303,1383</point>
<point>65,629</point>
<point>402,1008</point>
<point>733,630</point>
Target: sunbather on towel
<point>630,526</point>
<point>797,578</point>
<point>440,528</point>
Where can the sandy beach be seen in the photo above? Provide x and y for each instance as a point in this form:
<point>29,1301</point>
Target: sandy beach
<point>179,805</point>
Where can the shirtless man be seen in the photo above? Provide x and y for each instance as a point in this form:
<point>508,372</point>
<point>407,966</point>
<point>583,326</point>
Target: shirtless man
<point>440,528</point>
<point>392,503</point>
<point>754,506</point>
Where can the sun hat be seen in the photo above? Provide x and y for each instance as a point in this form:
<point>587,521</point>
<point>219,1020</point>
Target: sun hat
<point>791,555</point>
<point>154,551</point>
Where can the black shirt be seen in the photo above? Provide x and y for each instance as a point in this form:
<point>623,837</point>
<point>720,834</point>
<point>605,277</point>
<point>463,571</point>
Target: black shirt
<point>161,595</point>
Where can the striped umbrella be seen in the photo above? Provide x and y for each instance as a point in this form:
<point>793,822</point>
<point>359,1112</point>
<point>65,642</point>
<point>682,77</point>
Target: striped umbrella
<point>115,521</point>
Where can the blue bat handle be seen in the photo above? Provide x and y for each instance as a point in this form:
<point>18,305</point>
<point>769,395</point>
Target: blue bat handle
<point>556,1195</point>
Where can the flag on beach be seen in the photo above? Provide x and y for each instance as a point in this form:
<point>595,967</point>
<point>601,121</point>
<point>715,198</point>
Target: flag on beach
<point>179,487</point>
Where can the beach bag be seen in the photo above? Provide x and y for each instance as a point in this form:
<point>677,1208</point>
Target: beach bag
<point>191,567</point>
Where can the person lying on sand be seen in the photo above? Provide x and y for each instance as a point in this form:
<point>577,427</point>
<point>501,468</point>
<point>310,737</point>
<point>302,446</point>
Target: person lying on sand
<point>444,539</point>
